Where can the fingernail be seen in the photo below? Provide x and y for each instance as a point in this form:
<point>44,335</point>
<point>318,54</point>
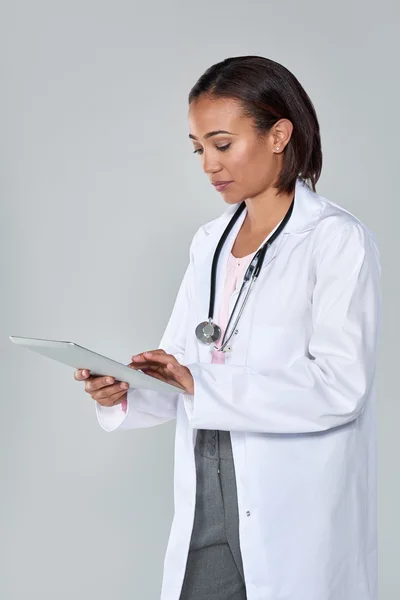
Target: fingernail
<point>83,373</point>
<point>124,386</point>
<point>109,380</point>
<point>147,353</point>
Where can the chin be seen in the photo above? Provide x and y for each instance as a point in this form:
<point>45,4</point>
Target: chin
<point>232,199</point>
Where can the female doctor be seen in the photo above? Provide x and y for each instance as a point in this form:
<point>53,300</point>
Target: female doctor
<point>272,345</point>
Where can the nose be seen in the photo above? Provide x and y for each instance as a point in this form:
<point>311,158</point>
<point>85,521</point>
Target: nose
<point>210,164</point>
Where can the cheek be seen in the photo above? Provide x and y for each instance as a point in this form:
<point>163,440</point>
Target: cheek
<point>251,167</point>
<point>241,163</point>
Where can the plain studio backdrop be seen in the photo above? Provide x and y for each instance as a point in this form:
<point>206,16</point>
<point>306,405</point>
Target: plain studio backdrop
<point>100,196</point>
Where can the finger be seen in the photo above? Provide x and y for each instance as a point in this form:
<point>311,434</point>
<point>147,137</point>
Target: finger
<point>110,390</point>
<point>168,376</point>
<point>147,366</point>
<point>96,383</point>
<point>156,358</point>
<point>81,374</point>
<point>153,370</point>
<point>140,356</point>
<point>138,363</point>
<point>169,379</point>
<point>158,371</point>
<point>156,374</point>
<point>162,373</point>
<point>161,370</point>
<point>134,366</point>
<point>112,400</point>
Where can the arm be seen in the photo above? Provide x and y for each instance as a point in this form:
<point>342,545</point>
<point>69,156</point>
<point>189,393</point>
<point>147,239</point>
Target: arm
<point>146,408</point>
<point>313,393</point>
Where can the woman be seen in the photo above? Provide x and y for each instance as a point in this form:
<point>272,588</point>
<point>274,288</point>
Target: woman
<point>275,460</point>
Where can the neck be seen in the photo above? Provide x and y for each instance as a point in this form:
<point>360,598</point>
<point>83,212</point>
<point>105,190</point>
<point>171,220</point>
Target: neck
<point>266,210</point>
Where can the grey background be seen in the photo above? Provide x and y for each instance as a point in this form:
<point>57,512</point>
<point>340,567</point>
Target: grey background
<point>100,196</point>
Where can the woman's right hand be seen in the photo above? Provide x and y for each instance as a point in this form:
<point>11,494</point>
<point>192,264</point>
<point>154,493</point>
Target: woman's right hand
<point>105,390</point>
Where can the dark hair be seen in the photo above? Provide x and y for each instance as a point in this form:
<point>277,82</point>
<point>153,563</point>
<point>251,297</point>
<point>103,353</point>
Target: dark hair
<point>268,92</point>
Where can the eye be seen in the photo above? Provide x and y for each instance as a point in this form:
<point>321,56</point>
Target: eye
<point>221,148</point>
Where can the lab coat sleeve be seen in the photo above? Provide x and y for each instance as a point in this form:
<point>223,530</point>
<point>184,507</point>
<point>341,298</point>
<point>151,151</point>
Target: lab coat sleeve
<point>146,408</point>
<point>318,391</point>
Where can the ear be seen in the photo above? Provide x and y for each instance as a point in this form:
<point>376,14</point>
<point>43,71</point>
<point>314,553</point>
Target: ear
<point>280,135</point>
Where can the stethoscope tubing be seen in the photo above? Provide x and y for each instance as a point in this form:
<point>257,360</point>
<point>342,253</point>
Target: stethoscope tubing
<point>224,342</point>
<point>251,272</point>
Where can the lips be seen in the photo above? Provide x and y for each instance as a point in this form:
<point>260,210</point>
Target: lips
<point>221,185</point>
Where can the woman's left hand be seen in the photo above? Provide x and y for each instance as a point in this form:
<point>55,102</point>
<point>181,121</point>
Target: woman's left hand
<point>165,367</point>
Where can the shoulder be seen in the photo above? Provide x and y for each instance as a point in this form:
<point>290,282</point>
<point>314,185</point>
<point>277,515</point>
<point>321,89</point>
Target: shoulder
<point>339,231</point>
<point>334,217</point>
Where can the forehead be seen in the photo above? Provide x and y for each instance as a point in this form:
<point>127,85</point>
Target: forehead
<point>211,114</point>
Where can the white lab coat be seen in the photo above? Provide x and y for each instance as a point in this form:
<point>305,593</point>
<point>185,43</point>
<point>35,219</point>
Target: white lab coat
<point>297,393</point>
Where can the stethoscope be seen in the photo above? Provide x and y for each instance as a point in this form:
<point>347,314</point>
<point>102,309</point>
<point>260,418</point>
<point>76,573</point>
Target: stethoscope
<point>209,332</point>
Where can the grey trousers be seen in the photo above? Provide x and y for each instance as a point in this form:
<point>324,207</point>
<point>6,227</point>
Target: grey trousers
<point>214,569</point>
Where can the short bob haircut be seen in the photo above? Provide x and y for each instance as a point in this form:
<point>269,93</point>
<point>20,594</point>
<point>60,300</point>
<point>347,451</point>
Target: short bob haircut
<point>267,92</point>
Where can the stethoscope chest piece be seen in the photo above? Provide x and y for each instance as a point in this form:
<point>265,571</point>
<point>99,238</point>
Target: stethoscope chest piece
<point>208,332</point>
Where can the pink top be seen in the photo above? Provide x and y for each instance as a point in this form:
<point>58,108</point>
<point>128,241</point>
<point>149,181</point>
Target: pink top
<point>235,273</point>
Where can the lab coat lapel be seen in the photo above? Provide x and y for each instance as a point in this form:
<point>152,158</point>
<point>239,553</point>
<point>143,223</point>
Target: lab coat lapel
<point>306,212</point>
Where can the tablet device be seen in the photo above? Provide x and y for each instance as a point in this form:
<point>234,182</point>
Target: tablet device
<point>76,356</point>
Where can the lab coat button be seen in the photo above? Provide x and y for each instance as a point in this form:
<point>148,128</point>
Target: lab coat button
<point>248,513</point>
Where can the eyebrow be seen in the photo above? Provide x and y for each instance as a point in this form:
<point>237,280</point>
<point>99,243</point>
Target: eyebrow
<point>211,133</point>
